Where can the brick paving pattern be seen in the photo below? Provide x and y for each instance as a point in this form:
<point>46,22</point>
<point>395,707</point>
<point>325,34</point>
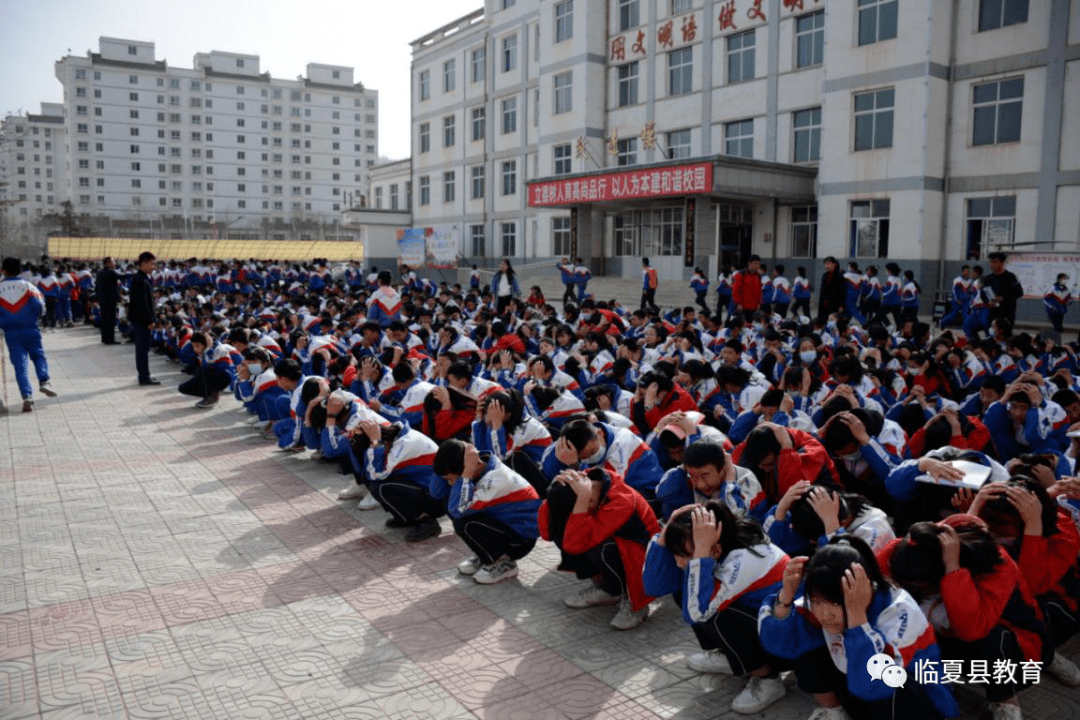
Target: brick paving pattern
<point>157,561</point>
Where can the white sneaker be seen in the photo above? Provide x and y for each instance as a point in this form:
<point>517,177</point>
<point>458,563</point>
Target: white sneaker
<point>1064,671</point>
<point>759,693</point>
<point>470,566</point>
<point>710,661</point>
<point>503,569</point>
<point>837,713</point>
<point>589,596</point>
<point>368,503</point>
<point>317,455</point>
<point>356,490</point>
<point>627,618</point>
<point>1005,711</point>
<point>46,389</point>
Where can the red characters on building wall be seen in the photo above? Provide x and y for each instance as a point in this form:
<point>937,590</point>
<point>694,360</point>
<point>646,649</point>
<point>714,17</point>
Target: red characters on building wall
<point>618,48</point>
<point>727,16</point>
<point>689,28</point>
<point>756,13</point>
<point>639,44</point>
<point>663,35</point>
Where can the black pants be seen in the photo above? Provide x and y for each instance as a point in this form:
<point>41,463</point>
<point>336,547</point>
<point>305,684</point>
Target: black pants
<point>883,315</point>
<point>803,304</point>
<point>603,561</point>
<point>50,312</point>
<point>780,309</point>
<point>734,632</point>
<point>700,300</point>
<point>1056,320</point>
<point>569,295</point>
<point>502,303</point>
<point>817,673</point>
<point>648,298</point>
<point>143,336</point>
<point>527,468</point>
<point>407,502</point>
<point>1061,622</point>
<point>205,382</point>
<point>1000,644</point>
<point>108,323</point>
<point>490,539</point>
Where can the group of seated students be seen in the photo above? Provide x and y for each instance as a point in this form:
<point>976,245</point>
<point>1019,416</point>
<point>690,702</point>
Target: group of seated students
<point>800,490</point>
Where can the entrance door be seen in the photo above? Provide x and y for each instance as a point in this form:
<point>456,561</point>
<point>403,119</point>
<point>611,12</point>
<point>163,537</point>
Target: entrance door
<point>735,244</point>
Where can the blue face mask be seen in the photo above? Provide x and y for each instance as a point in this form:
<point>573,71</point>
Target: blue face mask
<point>254,369</point>
<point>808,356</point>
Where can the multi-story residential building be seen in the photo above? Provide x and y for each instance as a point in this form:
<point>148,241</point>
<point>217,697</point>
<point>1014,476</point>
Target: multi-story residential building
<point>391,186</point>
<point>33,167</point>
<point>697,132</point>
<point>221,145</point>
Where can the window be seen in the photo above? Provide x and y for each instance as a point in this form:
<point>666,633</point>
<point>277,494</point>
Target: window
<point>681,71</point>
<point>564,86</point>
<point>508,235</point>
<point>874,119</point>
<point>678,144</point>
<point>509,177</point>
<point>448,71</point>
<point>877,21</point>
<point>476,241</point>
<point>563,159</point>
<point>626,152</point>
<point>425,85</point>
<point>991,224</point>
<point>806,125</point>
<point>509,115</point>
<point>425,190</point>
<point>740,57</point>
<point>628,84</point>
<point>509,53</point>
<point>998,107</point>
<point>378,198</point>
<point>564,21</point>
<point>994,14</point>
<point>425,137</point>
<point>448,186</point>
<point>507,4</point>
<point>629,15</point>
<point>477,173</point>
<point>479,64</point>
<point>478,123</point>
<point>560,236</point>
<point>448,131</point>
<point>810,39</point>
<point>133,79</point>
<point>739,138</point>
<point>649,232</point>
<point>804,231</point>
<point>870,228</point>
<point>393,196</point>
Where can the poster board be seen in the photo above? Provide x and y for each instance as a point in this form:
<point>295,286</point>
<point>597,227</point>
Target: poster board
<point>443,246</point>
<point>1038,271</point>
<point>410,246</point>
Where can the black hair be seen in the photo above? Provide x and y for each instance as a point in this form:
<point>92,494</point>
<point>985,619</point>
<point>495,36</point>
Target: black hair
<point>450,459</point>
<point>917,558</point>
<point>403,372</point>
<point>824,572</point>
<point>805,521</point>
<point>736,533</point>
<point>310,390</point>
<point>578,433</point>
<point>999,511</point>
<point>705,452</point>
<point>729,374</point>
<point>760,443</point>
<point>387,435</point>
<point>662,381</point>
<point>289,369</point>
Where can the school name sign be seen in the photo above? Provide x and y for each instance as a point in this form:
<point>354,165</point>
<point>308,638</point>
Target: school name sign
<point>696,178</point>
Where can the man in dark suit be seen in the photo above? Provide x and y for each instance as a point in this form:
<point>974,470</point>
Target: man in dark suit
<point>108,296</point>
<point>141,316</point>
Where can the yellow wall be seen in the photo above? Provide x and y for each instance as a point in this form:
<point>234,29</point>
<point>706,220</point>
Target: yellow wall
<point>95,248</point>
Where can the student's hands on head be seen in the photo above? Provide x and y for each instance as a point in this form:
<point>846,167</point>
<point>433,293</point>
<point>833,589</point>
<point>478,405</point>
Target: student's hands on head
<point>988,492</point>
<point>950,548</point>
<point>826,506</point>
<point>496,414</point>
<point>706,532</point>
<point>858,593</point>
<point>566,453</point>
<point>662,537</point>
<point>1029,507</point>
<point>940,470</point>
<point>793,574</point>
<point>793,493</point>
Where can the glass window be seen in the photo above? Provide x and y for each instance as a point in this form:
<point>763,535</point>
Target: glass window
<point>874,119</point>
<point>448,186</point>
<point>629,14</point>
<point>806,125</point>
<point>425,137</point>
<point>509,177</point>
<point>476,241</point>
<point>448,131</point>
<point>564,86</point>
<point>508,235</point>
<point>740,57</point>
<point>479,64</point>
<point>479,123</point>
<point>563,158</point>
<point>810,39</point>
<point>739,138</point>
<point>425,84</point>
<point>477,182</point>
<point>560,236</point>
<point>804,231</point>
<point>425,190</point>
<point>681,71</point>
<point>991,225</point>
<point>448,76</point>
<point>564,21</point>
<point>628,84</point>
<point>626,152</point>
<point>678,144</point>
<point>870,228</point>
<point>681,6</point>
<point>998,108</point>
<point>509,53</point>
<point>877,20</point>
<point>994,14</point>
<point>509,115</point>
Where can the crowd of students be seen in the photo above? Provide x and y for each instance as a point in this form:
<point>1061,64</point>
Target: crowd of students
<point>812,493</point>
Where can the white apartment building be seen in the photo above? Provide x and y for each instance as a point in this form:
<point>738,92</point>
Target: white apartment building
<point>697,132</point>
<point>33,167</point>
<point>220,148</point>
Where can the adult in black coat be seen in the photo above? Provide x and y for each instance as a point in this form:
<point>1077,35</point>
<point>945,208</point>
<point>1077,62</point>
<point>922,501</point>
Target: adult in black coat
<point>832,291</point>
<point>108,297</point>
<point>1005,286</point>
<point>141,316</point>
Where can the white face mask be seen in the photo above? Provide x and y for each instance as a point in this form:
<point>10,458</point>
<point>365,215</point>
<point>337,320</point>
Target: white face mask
<point>254,369</point>
<point>808,356</point>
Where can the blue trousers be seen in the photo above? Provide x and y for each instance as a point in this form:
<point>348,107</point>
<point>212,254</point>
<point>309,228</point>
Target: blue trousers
<point>976,321</point>
<point>955,316</point>
<point>24,345</point>
<point>63,309</point>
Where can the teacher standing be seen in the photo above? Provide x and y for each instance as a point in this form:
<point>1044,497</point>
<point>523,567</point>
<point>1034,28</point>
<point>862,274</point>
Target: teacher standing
<point>141,316</point>
<point>108,296</point>
<point>504,286</point>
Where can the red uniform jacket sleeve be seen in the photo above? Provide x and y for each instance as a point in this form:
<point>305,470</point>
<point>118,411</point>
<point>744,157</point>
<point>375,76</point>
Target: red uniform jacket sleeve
<point>1044,561</point>
<point>975,607</point>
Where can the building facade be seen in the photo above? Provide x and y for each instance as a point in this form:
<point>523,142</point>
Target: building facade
<point>220,148</point>
<point>33,166</point>
<point>924,132</point>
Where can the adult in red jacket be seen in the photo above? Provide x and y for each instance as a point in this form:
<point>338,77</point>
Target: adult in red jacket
<point>746,287</point>
<point>974,595</point>
<point>603,527</point>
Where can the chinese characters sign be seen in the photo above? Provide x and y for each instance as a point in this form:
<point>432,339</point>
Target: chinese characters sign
<point>629,185</point>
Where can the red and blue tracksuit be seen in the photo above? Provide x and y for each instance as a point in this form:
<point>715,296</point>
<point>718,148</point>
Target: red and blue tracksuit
<point>384,307</point>
<point>21,304</point>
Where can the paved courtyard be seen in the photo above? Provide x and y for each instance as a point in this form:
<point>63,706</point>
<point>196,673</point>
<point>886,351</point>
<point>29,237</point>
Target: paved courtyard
<point>157,561</point>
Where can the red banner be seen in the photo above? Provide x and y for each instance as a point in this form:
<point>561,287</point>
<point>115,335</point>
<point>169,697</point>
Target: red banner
<point>626,185</point>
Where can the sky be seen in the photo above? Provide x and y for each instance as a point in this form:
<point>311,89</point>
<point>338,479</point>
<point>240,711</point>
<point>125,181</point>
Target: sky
<point>371,36</point>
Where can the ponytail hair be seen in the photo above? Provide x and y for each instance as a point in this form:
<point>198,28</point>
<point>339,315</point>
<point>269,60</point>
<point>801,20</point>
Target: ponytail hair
<point>736,533</point>
<point>824,573</point>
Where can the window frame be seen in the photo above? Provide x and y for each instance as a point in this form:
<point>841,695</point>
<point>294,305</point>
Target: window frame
<point>509,115</point>
<point>815,36</point>
<point>741,139</point>
<point>813,130</point>
<point>626,86</point>
<point>562,159</point>
<point>563,95</point>
<point>508,178</point>
<point>873,113</point>
<point>681,76</point>
<point>998,104</point>
<point>737,52</point>
<point>873,217</point>
<point>508,59</point>
<point>877,12</point>
<point>564,21</point>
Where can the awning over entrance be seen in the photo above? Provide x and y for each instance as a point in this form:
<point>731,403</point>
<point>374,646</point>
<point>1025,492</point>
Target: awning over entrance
<point>720,175</point>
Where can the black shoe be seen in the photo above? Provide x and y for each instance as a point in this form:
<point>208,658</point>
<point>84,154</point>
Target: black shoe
<point>112,342</point>
<point>150,381</point>
<point>423,531</point>
<point>393,522</point>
